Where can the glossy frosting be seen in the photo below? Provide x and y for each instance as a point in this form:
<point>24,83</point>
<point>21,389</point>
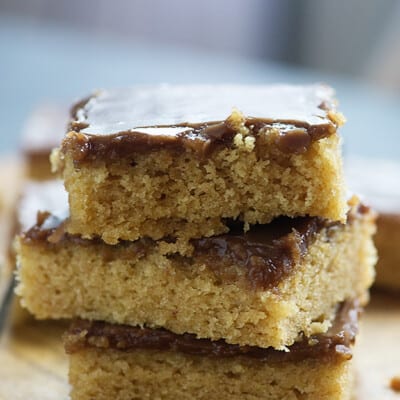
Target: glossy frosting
<point>111,112</point>
<point>261,258</point>
<point>49,197</point>
<point>116,123</point>
<point>332,345</point>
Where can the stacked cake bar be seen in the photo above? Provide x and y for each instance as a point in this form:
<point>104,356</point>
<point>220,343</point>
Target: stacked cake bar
<point>209,250</point>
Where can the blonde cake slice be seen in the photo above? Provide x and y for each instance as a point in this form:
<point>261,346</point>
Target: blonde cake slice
<point>179,161</point>
<point>263,288</point>
<point>128,363</point>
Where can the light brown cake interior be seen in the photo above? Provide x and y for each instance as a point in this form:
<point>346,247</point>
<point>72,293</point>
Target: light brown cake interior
<point>146,374</point>
<point>119,284</point>
<point>192,157</point>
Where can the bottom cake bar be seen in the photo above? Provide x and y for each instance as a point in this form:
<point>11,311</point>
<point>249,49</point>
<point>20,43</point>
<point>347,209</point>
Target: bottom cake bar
<point>124,363</point>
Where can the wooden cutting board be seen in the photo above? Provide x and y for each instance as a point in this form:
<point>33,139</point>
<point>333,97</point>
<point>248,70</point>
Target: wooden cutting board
<point>33,364</point>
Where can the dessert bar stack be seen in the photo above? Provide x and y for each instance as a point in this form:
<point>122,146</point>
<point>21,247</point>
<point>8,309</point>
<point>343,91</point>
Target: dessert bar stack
<point>209,250</point>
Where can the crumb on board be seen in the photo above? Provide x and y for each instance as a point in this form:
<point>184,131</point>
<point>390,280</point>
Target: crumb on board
<point>395,383</point>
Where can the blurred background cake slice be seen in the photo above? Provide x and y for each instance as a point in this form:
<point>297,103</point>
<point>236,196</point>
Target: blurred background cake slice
<point>378,181</point>
<point>262,288</point>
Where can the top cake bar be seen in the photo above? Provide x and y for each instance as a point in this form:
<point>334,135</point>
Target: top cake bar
<point>184,161</point>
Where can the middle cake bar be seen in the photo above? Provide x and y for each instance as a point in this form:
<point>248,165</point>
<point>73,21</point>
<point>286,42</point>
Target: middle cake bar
<point>263,288</point>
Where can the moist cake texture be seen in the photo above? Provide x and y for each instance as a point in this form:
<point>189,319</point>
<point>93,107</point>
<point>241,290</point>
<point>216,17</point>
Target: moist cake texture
<point>179,161</point>
<point>123,362</point>
<point>247,288</point>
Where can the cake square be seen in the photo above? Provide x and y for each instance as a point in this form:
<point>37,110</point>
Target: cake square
<point>264,287</point>
<point>181,161</point>
<point>124,362</point>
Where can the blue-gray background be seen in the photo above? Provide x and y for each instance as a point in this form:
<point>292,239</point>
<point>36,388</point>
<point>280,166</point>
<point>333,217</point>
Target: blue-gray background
<point>57,51</point>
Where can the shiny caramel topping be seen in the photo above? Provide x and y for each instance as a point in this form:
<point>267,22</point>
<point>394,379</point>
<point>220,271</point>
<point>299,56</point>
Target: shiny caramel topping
<point>260,258</point>
<point>197,118</point>
<point>332,345</point>
<point>264,255</point>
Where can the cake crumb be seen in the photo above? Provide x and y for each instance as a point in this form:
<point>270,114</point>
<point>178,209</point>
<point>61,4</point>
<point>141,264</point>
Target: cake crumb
<point>395,383</point>
<point>337,118</point>
<point>236,121</point>
<point>249,142</point>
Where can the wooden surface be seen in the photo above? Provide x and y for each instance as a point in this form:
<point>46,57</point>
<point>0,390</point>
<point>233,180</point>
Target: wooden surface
<point>377,351</point>
<point>33,365</point>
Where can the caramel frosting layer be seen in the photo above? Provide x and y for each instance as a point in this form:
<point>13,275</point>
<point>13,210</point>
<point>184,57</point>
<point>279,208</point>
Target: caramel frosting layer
<point>264,255</point>
<point>261,257</point>
<point>118,123</point>
<point>335,344</point>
